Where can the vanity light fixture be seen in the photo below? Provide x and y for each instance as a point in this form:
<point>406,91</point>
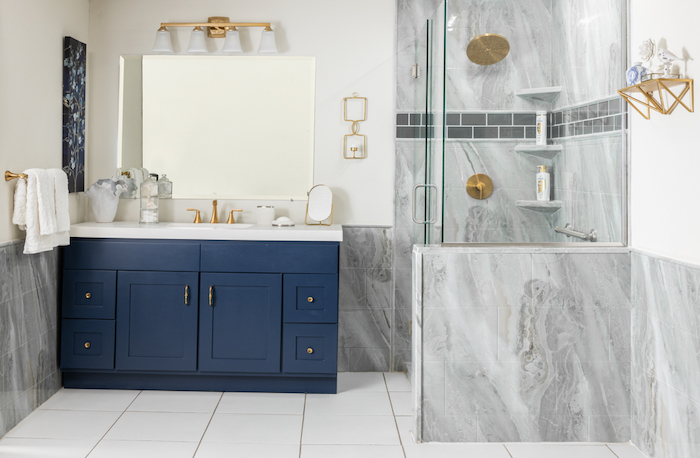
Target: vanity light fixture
<point>217,27</point>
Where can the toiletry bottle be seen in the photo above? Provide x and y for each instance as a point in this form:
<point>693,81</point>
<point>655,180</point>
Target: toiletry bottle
<point>165,188</point>
<point>543,193</point>
<point>541,136</point>
<point>149,200</point>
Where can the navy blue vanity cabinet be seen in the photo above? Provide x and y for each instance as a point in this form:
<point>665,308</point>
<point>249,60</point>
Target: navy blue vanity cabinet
<point>200,315</point>
<point>240,322</point>
<point>157,321</point>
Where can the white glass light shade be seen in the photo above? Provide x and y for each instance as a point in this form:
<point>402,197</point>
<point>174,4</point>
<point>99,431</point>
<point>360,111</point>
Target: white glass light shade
<point>232,43</point>
<point>163,43</point>
<point>198,43</point>
<point>267,42</point>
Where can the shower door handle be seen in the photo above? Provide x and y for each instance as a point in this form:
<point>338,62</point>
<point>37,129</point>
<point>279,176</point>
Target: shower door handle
<point>413,213</point>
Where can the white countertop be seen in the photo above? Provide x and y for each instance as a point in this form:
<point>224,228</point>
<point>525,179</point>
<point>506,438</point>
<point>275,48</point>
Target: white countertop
<point>204,231</point>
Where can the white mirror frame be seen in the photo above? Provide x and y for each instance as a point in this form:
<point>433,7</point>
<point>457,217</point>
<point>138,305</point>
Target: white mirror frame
<point>319,206</point>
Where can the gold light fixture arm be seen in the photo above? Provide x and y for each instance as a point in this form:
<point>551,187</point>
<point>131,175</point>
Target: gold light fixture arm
<point>217,26</point>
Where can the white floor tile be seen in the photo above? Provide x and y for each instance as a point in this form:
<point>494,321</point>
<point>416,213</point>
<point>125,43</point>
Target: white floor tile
<point>349,403</point>
<point>471,450</point>
<point>99,400</point>
<point>254,429</point>
<point>221,450</point>
<point>351,451</point>
<point>144,449</point>
<point>559,451</point>
<point>340,430</point>
<point>402,402</point>
<point>262,403</point>
<point>405,425</point>
<point>160,426</point>
<point>44,448</point>
<point>397,381</point>
<point>65,424</point>
<point>626,451</point>
<point>361,381</point>
<point>175,401</point>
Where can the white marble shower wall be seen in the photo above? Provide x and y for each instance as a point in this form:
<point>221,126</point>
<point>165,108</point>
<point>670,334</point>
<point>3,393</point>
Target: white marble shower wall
<point>665,357</point>
<point>29,372</point>
<point>523,347</point>
<point>586,50</point>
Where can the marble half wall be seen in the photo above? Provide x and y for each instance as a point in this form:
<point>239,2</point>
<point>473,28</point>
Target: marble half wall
<point>29,373</point>
<point>665,357</point>
<point>523,347</point>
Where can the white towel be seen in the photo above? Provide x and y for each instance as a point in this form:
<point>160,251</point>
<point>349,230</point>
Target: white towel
<point>62,211</point>
<point>19,215</point>
<point>34,207</point>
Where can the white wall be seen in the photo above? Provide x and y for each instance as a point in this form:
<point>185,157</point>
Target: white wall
<point>665,151</point>
<point>31,84</point>
<point>354,48</point>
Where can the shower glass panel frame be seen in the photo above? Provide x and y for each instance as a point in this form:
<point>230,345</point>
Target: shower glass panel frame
<point>449,160</point>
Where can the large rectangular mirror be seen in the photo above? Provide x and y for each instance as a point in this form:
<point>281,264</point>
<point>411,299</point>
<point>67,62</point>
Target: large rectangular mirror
<point>218,126</point>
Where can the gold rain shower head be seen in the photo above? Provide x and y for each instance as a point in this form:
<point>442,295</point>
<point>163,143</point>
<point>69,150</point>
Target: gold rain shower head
<point>488,49</point>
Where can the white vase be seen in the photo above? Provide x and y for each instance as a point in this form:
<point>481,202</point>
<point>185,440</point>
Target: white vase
<point>104,199</point>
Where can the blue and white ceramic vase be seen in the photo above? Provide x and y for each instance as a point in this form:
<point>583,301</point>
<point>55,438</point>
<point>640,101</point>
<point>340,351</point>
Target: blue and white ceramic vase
<point>635,73</point>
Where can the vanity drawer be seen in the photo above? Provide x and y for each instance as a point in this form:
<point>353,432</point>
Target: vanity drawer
<point>270,257</point>
<point>310,298</point>
<point>89,294</point>
<point>132,254</point>
<point>310,348</point>
<point>87,344</point>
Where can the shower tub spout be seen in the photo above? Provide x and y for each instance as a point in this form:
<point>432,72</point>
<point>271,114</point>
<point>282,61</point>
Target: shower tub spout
<point>570,232</point>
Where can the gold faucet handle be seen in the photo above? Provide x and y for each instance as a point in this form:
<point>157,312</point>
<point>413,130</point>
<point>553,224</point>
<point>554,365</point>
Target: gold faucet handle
<point>214,213</point>
<point>197,218</point>
<point>231,220</point>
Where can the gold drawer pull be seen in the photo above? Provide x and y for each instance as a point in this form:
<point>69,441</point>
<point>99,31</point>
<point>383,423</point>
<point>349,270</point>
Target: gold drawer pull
<point>310,299</point>
<point>88,295</point>
<point>309,350</point>
<point>187,294</point>
<point>87,344</point>
<point>211,295</point>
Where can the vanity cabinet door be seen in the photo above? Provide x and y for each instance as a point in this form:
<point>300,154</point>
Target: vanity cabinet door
<point>240,322</point>
<point>157,321</point>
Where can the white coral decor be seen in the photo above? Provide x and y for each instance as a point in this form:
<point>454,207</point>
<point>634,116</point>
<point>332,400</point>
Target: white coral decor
<point>646,50</point>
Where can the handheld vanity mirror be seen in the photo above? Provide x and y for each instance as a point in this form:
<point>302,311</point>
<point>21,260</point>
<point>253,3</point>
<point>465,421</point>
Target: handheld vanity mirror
<point>319,207</point>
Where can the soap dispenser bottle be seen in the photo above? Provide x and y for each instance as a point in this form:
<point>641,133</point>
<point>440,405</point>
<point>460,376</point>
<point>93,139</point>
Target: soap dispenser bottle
<point>149,200</point>
<point>543,193</point>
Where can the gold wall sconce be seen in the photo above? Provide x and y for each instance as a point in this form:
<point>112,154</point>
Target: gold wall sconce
<point>217,27</point>
<point>355,150</point>
<point>479,186</point>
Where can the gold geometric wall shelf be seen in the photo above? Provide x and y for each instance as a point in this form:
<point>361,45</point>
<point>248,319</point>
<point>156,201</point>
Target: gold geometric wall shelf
<point>642,95</point>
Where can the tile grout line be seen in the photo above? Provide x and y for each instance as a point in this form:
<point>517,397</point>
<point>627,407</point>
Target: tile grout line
<point>396,423</point>
<point>115,422</point>
<point>507,451</point>
<point>303,419</point>
<point>208,423</point>
<point>612,451</point>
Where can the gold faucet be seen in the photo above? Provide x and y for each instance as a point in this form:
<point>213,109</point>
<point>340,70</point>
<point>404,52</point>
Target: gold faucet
<point>214,214</point>
<point>231,220</point>
<point>197,218</point>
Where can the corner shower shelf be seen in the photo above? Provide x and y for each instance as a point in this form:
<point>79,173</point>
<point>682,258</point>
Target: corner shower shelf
<point>543,151</point>
<point>540,206</point>
<point>658,103</point>
<point>545,94</point>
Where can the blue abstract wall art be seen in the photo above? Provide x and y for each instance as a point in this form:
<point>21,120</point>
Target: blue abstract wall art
<point>74,63</point>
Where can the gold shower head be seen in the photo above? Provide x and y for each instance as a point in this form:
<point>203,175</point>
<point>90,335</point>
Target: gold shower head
<point>487,49</point>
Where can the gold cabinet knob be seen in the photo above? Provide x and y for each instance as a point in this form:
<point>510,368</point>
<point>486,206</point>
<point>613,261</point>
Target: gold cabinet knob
<point>88,295</point>
<point>309,350</point>
<point>310,299</point>
<point>87,344</point>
